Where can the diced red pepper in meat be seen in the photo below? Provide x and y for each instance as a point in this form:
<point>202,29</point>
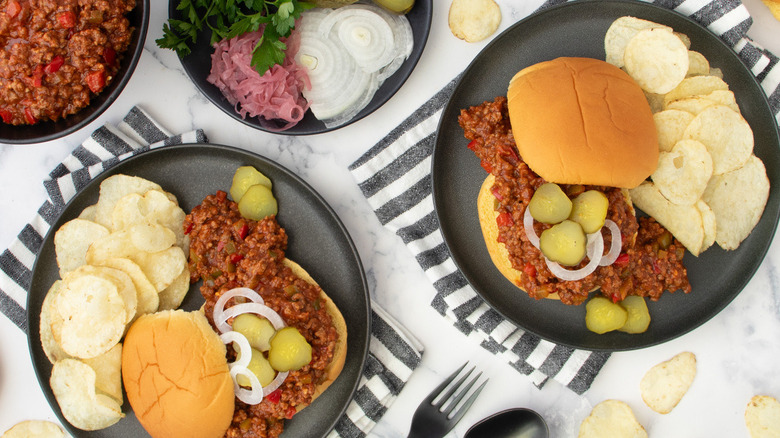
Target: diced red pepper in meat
<point>290,412</point>
<point>622,260</point>
<point>485,165</point>
<point>274,396</point>
<point>37,78</point>
<point>472,145</point>
<point>109,54</point>
<point>496,193</point>
<point>29,117</point>
<point>96,80</point>
<point>529,270</point>
<point>54,65</point>
<point>188,230</point>
<point>504,220</point>
<point>6,115</point>
<point>67,19</point>
<point>220,246</point>
<point>235,258</point>
<point>13,8</point>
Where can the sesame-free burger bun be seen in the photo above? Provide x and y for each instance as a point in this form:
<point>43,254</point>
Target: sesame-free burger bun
<point>582,121</point>
<point>176,376</point>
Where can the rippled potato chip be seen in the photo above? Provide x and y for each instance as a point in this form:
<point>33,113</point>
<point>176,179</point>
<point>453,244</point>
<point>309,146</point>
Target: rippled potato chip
<point>91,314</point>
<point>738,199</point>
<point>72,240</point>
<point>127,242</point>
<point>665,384</point>
<point>163,267</point>
<point>709,224</point>
<point>691,104</point>
<point>34,429</point>
<point>611,418</point>
<point>113,188</point>
<point>154,207</point>
<point>620,32</point>
<point>124,285</point>
<point>656,59</point>
<point>697,64</point>
<point>50,345</point>
<point>172,296</point>
<point>108,372</point>
<point>683,221</point>
<point>762,417</point>
<point>147,296</point>
<point>73,385</point>
<point>683,173</point>
<point>670,125</point>
<point>726,135</point>
<point>695,86</point>
<point>473,20</point>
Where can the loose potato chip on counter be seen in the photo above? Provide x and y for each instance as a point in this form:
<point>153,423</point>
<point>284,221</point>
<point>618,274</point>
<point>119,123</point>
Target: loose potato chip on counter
<point>665,384</point>
<point>73,385</point>
<point>727,135</point>
<point>738,199</point>
<point>683,173</point>
<point>613,419</point>
<point>670,125</point>
<point>473,20</point>
<point>72,240</point>
<point>762,417</point>
<point>657,60</point>
<point>620,33</point>
<point>34,429</point>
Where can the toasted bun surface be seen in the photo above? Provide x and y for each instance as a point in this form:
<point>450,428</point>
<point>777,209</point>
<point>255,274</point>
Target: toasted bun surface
<point>340,350</point>
<point>582,121</point>
<point>176,376</point>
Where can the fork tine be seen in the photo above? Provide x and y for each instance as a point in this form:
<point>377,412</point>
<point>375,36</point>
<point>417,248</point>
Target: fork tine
<point>452,389</point>
<point>436,391</point>
<point>459,414</point>
<point>462,393</point>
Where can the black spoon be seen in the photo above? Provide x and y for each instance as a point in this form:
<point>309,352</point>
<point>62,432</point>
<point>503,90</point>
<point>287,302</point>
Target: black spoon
<point>511,423</point>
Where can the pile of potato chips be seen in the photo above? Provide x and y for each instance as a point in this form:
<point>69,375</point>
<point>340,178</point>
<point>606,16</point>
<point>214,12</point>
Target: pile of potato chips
<point>709,186</point>
<point>123,257</point>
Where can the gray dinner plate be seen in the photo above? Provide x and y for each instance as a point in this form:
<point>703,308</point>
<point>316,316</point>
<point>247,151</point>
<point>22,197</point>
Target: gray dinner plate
<point>577,29</point>
<point>317,240</point>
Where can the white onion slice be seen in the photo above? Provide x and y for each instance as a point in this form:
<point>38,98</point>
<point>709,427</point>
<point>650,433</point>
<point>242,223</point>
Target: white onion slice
<point>275,383</point>
<point>244,352</point>
<point>595,249</point>
<point>528,224</point>
<point>617,244</point>
<point>219,306</point>
<point>252,395</point>
<point>256,308</point>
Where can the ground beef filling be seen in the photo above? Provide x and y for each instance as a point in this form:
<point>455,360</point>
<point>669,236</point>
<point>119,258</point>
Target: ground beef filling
<point>228,251</point>
<point>650,261</point>
<point>56,54</point>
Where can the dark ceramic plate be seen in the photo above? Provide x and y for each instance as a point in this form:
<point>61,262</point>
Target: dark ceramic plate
<point>577,29</point>
<point>198,65</point>
<point>318,241</point>
<point>48,130</point>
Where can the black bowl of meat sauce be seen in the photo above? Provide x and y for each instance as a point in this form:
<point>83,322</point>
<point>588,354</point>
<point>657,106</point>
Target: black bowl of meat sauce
<point>46,130</point>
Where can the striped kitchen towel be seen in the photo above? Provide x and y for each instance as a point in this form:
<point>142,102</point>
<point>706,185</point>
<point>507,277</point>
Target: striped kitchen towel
<point>395,177</point>
<point>393,352</point>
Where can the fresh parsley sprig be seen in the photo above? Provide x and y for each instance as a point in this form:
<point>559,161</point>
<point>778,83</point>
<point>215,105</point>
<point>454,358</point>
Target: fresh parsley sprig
<point>230,18</point>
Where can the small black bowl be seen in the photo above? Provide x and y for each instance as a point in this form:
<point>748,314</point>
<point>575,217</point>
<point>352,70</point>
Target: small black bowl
<point>198,66</point>
<point>49,130</point>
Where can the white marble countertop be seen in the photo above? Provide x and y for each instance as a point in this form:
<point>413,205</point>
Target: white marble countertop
<point>737,351</point>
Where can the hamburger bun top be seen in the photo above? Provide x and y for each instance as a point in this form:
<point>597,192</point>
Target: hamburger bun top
<point>175,370</point>
<point>582,121</point>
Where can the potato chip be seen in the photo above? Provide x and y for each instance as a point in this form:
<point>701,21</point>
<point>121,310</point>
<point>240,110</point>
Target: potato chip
<point>695,86</point>
<point>715,71</point>
<point>656,101</point>
<point>474,20</point>
<point>686,40</point>
<point>619,34</point>
<point>762,417</point>
<point>172,296</point>
<point>611,418</point>
<point>726,135</point>
<point>108,372</point>
<point>683,221</point>
<point>697,64</point>
<point>665,384</point>
<point>724,97</point>
<point>150,237</point>
<point>691,104</point>
<point>34,429</point>
<point>709,224</point>
<point>88,213</point>
<point>147,296</point>
<point>72,240</point>
<point>115,245</point>
<point>683,173</point>
<point>122,281</point>
<point>73,385</point>
<point>161,268</point>
<point>738,199</point>
<point>51,348</point>
<point>155,207</point>
<point>113,188</point>
<point>670,125</point>
<point>92,315</point>
<point>656,59</point>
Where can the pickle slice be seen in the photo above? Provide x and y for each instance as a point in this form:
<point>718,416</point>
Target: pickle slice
<point>289,350</point>
<point>261,368</point>
<point>564,243</point>
<point>638,315</point>
<point>244,178</point>
<point>602,315</point>
<point>589,209</point>
<point>258,331</point>
<point>549,204</point>
<point>257,203</point>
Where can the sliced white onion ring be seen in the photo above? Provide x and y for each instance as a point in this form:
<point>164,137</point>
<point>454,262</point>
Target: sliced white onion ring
<point>256,308</point>
<point>617,244</point>
<point>528,224</point>
<point>275,383</point>
<point>219,306</point>
<point>244,352</point>
<point>595,249</point>
<point>252,395</point>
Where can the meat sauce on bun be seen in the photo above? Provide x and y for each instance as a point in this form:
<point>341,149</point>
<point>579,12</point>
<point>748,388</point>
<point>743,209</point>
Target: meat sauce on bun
<point>568,140</point>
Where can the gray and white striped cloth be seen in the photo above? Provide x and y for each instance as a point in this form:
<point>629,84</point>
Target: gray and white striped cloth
<point>393,353</point>
<point>394,176</point>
